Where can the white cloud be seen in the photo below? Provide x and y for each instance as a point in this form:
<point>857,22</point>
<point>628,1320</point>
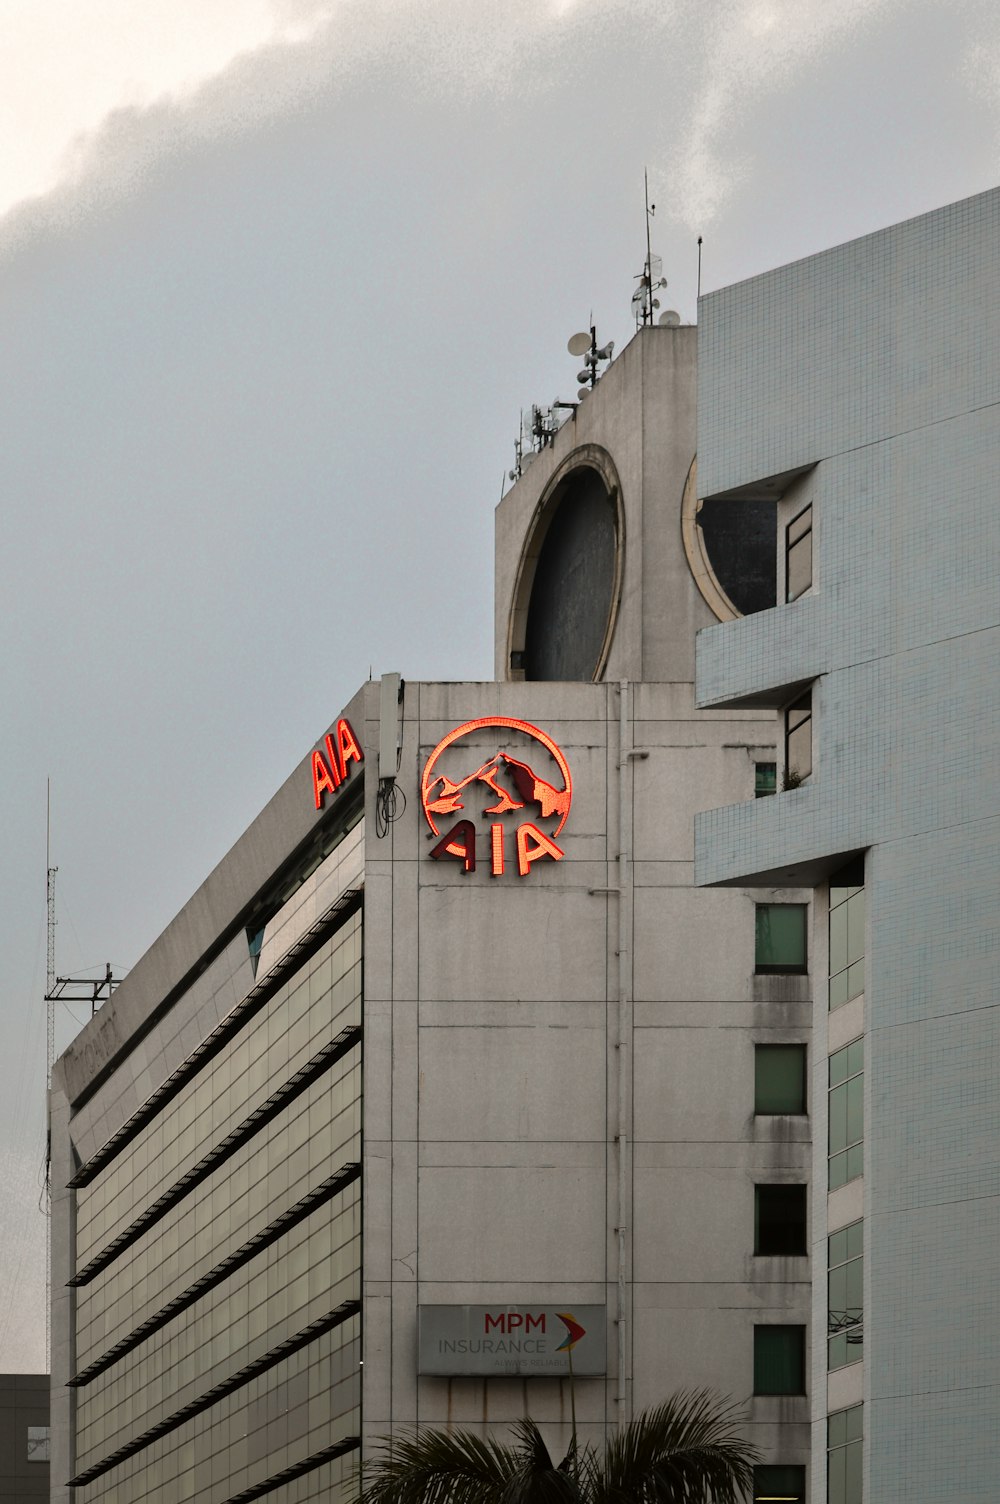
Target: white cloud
<point>747,50</point>
<point>65,68</point>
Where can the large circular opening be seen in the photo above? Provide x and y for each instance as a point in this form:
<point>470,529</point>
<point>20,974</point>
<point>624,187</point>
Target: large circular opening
<point>569,580</point>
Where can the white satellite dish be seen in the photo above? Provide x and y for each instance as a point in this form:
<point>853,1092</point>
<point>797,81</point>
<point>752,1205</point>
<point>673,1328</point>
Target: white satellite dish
<point>579,344</point>
<point>671,318</point>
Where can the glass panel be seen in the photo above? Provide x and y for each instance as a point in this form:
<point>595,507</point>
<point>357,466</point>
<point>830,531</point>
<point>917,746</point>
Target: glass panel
<point>800,525</point>
<point>798,740</point>
<point>838,939</point>
<point>779,1359</point>
<point>765,778</point>
<point>855,927</point>
<point>838,1119</point>
<point>838,991</point>
<point>779,1078</point>
<point>781,937</point>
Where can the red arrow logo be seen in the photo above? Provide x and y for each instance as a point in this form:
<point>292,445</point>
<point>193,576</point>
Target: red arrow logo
<point>574,1331</point>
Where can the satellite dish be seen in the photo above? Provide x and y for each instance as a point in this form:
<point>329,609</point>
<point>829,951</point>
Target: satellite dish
<point>583,392</point>
<point>579,344</point>
<point>671,318</point>
<point>604,353</point>
<point>583,375</point>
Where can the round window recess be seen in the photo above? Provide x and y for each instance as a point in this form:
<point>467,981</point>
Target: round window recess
<point>570,575</point>
<point>731,549</point>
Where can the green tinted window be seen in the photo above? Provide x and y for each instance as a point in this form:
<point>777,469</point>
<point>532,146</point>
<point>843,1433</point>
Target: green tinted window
<point>845,1297</point>
<point>779,1078</point>
<point>779,1360</point>
<point>847,933</point>
<point>781,937</point>
<point>846,1114</point>
<point>765,778</point>
<point>844,1456</point>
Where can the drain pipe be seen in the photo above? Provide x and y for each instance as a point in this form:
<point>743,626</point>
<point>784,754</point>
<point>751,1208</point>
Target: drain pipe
<point>623,1046</point>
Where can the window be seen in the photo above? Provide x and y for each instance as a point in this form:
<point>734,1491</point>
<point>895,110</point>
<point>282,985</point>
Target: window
<point>799,555</point>
<point>843,1457</point>
<point>779,1481</point>
<point>781,937</point>
<point>798,741</point>
<point>847,933</point>
<point>765,779</point>
<point>779,1220</point>
<point>847,1124</point>
<point>779,1078</point>
<point>779,1360</point>
<point>844,1282</point>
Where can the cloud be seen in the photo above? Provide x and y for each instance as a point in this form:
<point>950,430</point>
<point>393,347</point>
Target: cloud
<point>67,69</point>
<point>747,50</point>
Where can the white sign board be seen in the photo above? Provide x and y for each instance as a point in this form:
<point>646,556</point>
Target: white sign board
<point>512,1340</point>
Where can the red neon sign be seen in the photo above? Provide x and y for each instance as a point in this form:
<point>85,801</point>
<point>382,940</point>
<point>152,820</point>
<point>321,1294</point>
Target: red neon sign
<point>513,785</point>
<point>330,771</point>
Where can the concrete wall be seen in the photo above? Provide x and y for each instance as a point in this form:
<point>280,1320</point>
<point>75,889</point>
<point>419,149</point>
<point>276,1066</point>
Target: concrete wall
<point>642,414</point>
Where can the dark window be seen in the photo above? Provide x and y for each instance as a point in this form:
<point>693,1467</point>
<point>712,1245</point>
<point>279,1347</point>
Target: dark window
<point>785,1482</point>
<point>846,1113</point>
<point>572,594</point>
<point>779,1360</point>
<point>845,1297</point>
<point>779,1078</point>
<point>780,937</point>
<point>843,1458</point>
<point>765,779</point>
<point>779,1220</point>
<point>741,540</point>
<point>798,741</point>
<point>847,933</point>
<point>799,555</point>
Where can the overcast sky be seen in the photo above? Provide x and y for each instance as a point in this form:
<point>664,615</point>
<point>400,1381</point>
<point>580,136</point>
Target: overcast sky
<point>276,278</point>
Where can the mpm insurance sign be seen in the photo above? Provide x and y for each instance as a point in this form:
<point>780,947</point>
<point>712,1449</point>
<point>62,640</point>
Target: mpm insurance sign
<point>512,1340</point>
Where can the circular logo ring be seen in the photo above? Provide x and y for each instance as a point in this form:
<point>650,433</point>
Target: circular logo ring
<point>480,725</point>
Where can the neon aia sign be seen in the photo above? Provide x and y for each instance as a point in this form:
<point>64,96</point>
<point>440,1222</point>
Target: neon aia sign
<point>331,766</point>
<point>541,788</point>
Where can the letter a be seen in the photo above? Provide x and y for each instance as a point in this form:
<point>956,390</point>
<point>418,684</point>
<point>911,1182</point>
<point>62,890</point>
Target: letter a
<point>542,847</point>
<point>348,746</point>
<point>460,842</point>
<point>322,779</point>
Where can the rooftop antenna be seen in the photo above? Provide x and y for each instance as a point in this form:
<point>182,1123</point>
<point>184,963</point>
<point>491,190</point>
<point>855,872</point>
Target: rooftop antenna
<point>699,266</point>
<point>651,278</point>
<point>585,344</point>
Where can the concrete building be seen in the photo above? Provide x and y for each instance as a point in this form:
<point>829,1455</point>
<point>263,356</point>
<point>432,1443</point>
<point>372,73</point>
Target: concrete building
<point>24,1437</point>
<point>471,1089</point>
<point>861,387</point>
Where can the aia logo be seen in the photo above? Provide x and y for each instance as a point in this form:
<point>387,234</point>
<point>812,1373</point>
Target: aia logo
<point>526,779</point>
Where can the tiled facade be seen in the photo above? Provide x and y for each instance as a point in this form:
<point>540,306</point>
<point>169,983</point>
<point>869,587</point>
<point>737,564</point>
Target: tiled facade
<point>871,373</point>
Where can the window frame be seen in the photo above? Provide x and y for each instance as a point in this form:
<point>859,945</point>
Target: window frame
<point>761,1195</point>
<point>801,1358</point>
<point>761,1483</point>
<point>782,968</point>
<point>802,1050</point>
<point>797,773</point>
<point>790,543</point>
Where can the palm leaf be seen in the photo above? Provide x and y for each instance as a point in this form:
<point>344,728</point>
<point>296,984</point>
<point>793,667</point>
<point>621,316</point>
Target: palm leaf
<point>687,1451</point>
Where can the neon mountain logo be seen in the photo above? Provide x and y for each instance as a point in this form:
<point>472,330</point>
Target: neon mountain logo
<point>509,784</point>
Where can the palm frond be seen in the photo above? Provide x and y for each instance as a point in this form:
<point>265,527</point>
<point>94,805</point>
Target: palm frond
<point>438,1467</point>
<point>687,1451</point>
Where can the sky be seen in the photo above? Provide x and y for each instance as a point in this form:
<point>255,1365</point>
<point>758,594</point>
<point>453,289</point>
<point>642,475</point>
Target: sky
<point>277,278</point>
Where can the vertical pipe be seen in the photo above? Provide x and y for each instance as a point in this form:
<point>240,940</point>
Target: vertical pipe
<point>624,1046</point>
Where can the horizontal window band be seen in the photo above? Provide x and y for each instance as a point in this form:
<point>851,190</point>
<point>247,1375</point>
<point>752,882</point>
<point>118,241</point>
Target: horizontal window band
<point>307,944</point>
<point>297,1470</point>
<point>296,1084</point>
<point>270,1359</point>
<point>304,1207</point>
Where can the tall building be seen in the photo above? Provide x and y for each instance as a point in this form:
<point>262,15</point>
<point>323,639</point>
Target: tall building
<point>860,389</point>
<point>448,1097</point>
